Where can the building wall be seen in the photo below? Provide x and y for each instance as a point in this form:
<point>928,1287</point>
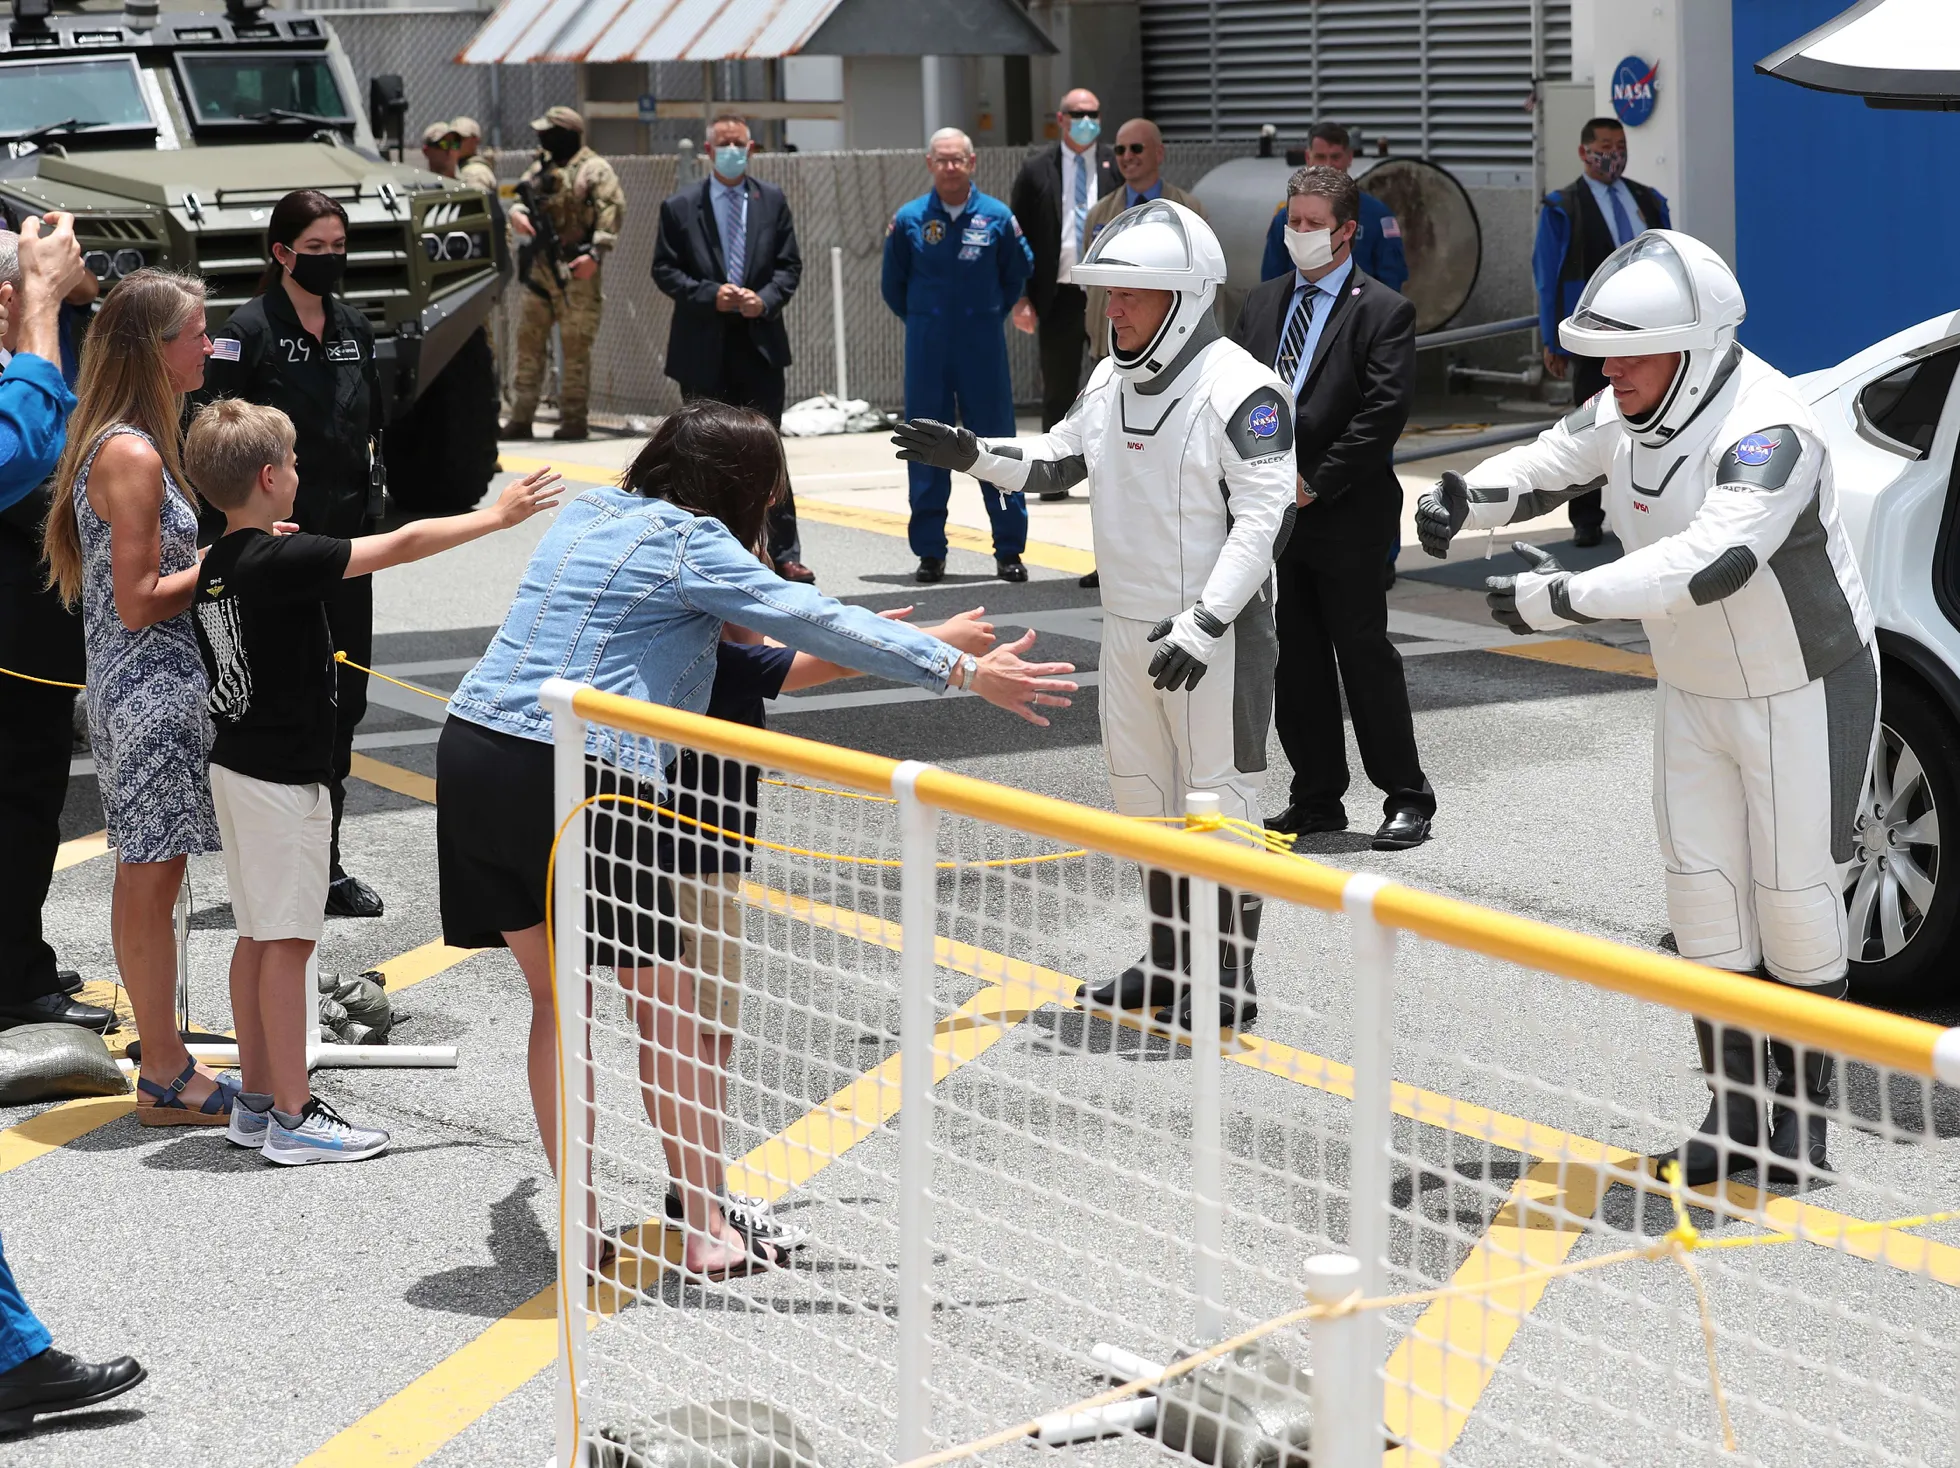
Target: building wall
<point>1846,219</point>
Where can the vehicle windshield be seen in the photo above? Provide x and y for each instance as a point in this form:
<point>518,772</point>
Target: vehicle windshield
<point>87,94</point>
<point>266,87</point>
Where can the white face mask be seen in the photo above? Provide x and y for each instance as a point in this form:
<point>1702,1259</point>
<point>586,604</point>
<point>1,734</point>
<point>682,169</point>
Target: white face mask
<point>1310,248</point>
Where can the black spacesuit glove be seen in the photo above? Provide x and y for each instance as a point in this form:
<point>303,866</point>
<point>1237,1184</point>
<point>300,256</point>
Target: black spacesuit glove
<point>925,441</point>
<point>1440,513</point>
<point>1501,592</point>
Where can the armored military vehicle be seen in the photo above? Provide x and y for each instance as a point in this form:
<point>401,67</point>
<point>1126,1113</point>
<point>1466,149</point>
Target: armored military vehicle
<point>170,134</point>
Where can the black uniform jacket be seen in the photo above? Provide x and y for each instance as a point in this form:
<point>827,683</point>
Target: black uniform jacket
<point>1037,203</point>
<point>1352,407</point>
<point>330,389</point>
<point>689,264</point>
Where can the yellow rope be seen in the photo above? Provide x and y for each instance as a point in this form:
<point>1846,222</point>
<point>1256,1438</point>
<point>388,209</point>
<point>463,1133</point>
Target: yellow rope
<point>44,682</point>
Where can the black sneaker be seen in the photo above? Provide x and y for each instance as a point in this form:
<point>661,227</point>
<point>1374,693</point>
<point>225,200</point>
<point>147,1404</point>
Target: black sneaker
<point>351,897</point>
<point>1091,582</point>
<point>751,1215</point>
<point>931,569</point>
<point>1009,568</point>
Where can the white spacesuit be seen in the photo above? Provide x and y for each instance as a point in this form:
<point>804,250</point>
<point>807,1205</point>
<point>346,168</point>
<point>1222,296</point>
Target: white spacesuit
<point>1739,570</point>
<point>1187,446</point>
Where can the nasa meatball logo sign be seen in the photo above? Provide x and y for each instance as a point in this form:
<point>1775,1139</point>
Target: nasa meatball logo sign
<point>1633,91</point>
<point>1263,421</point>
<point>1756,449</point>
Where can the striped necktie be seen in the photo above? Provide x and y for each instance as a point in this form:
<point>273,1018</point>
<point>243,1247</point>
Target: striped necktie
<point>734,238</point>
<point>1081,201</point>
<point>1296,337</point>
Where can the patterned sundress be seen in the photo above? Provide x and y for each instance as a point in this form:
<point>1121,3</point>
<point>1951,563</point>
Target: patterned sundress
<point>147,724</point>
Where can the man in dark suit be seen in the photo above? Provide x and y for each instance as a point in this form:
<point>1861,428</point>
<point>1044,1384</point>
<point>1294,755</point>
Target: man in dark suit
<point>1345,343</point>
<point>1578,227</point>
<point>726,253</point>
<point>1057,187</point>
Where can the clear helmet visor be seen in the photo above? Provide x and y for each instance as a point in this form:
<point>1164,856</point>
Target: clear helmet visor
<point>1644,286</point>
<point>1150,237</point>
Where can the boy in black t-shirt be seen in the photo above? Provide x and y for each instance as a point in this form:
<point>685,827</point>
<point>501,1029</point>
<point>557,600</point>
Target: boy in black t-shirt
<point>262,628</point>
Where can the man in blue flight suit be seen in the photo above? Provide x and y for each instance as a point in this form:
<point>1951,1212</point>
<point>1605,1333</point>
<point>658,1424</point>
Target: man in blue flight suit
<point>1377,248</point>
<point>955,262</point>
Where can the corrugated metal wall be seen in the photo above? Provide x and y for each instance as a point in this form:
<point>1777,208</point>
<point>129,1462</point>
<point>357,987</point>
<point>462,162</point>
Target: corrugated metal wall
<point>1443,79</point>
<point>838,199</point>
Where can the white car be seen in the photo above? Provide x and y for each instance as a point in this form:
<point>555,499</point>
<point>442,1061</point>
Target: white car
<point>1892,415</point>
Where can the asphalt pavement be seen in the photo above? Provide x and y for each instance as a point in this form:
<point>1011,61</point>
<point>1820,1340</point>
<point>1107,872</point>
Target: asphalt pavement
<point>396,1311</point>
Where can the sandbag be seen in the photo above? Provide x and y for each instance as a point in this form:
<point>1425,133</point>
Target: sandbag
<point>1251,1409</point>
<point>55,1062</point>
<point>354,1010</point>
<point>727,1434</point>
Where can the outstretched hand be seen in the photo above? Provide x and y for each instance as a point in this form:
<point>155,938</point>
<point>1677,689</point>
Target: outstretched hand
<point>1501,592</point>
<point>928,441</point>
<point>1020,688</point>
<point>538,490</point>
<point>1440,513</point>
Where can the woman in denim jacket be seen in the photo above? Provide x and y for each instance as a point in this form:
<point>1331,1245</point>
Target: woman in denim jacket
<point>628,592</point>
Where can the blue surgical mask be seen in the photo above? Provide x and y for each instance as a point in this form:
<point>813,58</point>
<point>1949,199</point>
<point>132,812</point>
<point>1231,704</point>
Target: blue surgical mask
<point>731,160</point>
<point>1083,131</point>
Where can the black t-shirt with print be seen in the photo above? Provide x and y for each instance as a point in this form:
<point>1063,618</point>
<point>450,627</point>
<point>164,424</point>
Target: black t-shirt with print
<point>262,626</point>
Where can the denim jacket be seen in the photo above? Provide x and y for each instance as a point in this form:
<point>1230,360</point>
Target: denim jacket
<point>629,594</point>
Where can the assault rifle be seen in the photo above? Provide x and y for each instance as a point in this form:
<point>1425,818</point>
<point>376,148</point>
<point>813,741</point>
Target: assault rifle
<point>543,243</point>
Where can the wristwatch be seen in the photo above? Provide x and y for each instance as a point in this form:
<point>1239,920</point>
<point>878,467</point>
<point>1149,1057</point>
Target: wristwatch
<point>963,671</point>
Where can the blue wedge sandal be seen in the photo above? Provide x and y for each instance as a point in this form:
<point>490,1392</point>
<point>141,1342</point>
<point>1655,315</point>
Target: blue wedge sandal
<point>168,1108</point>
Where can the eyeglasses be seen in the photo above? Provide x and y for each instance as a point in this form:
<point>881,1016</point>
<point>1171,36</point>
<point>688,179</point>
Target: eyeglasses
<point>1082,112</point>
<point>1137,148</point>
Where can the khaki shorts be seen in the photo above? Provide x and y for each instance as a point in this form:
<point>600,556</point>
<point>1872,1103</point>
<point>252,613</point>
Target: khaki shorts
<point>708,912</point>
<point>277,839</point>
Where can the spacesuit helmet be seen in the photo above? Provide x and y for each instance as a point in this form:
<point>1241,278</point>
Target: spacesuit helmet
<point>1661,292</point>
<point>1158,246</point>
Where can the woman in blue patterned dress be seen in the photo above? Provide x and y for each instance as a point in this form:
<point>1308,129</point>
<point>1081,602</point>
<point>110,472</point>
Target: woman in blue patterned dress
<point>128,554</point>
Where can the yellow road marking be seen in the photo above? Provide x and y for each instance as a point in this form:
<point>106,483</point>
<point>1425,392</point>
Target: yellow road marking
<point>394,777</point>
<point>1575,652</point>
<point>854,517</point>
<point>81,849</point>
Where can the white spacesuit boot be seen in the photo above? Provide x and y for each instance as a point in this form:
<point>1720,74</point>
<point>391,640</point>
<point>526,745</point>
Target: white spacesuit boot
<point>1743,579</point>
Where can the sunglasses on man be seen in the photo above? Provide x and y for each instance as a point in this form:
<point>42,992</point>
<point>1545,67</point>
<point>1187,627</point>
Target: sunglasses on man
<point>1083,112</point>
<point>1137,148</point>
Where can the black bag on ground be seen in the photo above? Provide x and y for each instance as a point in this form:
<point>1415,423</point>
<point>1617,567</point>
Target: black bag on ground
<point>55,1062</point>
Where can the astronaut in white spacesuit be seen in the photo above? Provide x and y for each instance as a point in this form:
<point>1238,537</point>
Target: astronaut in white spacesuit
<point>1187,444</point>
<point>1719,485</point>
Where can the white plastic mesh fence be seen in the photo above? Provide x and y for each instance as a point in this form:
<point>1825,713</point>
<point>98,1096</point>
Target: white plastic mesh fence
<point>1065,1200</point>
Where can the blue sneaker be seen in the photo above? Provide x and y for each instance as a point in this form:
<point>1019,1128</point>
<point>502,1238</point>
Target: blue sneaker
<point>248,1124</point>
<point>322,1135</point>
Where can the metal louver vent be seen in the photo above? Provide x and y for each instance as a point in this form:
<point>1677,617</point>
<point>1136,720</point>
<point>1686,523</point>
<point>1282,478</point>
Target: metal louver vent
<point>1445,79</point>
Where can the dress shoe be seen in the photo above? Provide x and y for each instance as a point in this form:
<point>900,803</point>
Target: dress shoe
<point>1403,829</point>
<point>1297,820</point>
<point>1091,582</point>
<point>514,430</point>
<point>69,980</point>
<point>1049,496</point>
<point>58,1009</point>
<point>55,1381</point>
<point>796,571</point>
<point>931,569</point>
<point>1009,568</point>
<point>351,897</point>
<point>571,433</point>
<point>1585,537</point>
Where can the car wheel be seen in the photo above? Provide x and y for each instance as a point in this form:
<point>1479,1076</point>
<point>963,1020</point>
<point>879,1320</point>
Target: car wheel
<point>442,454</point>
<point>1902,900</point>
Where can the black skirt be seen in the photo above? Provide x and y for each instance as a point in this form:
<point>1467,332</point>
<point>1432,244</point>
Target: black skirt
<point>493,847</point>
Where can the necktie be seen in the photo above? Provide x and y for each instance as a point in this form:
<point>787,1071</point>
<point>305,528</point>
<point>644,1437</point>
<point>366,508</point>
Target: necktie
<point>1622,226</point>
<point>734,241</point>
<point>1081,203</point>
<point>1296,337</point>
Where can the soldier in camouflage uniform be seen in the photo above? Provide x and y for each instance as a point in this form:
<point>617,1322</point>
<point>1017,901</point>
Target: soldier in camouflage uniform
<point>474,169</point>
<point>580,192</point>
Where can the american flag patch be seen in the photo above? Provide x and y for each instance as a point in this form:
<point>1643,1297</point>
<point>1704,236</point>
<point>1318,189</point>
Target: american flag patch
<point>226,348</point>
<point>1390,229</point>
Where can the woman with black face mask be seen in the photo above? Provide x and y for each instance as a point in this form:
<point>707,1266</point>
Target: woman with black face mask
<point>299,347</point>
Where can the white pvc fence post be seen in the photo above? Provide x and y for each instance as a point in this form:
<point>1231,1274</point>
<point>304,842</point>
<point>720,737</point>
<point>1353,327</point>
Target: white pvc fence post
<point>1346,1410</point>
<point>918,891</point>
<point>837,319</point>
<point>1370,1176</point>
<point>1207,1121</point>
<point>574,1061</point>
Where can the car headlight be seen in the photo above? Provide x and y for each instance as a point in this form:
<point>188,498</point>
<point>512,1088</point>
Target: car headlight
<point>457,246</point>
<point>98,263</point>
<point>432,246</point>
<point>127,262</point>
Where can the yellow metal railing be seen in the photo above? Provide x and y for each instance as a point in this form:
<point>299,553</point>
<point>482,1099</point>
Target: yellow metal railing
<point>1851,1030</point>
